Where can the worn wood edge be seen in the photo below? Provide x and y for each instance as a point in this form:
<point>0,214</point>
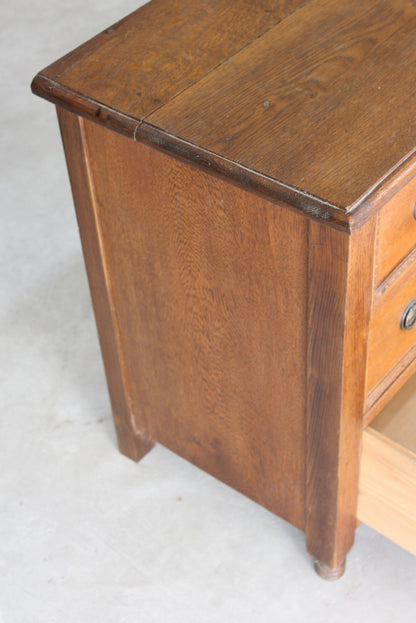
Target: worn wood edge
<point>351,217</point>
<point>140,130</point>
<point>389,385</point>
<point>83,106</point>
<point>387,479</point>
<point>249,179</point>
<point>382,191</point>
<point>133,442</point>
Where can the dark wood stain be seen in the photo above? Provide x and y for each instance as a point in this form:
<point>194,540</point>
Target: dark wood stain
<point>341,99</point>
<point>162,49</point>
<point>309,101</point>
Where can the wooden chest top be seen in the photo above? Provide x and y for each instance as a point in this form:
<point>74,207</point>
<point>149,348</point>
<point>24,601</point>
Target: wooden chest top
<point>312,102</point>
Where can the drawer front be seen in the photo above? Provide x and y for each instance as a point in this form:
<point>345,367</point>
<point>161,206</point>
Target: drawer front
<point>387,489</point>
<point>392,330</point>
<point>396,229</point>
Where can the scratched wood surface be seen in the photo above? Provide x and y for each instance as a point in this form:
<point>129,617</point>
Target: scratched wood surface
<point>323,101</point>
<point>208,285</point>
<point>312,98</point>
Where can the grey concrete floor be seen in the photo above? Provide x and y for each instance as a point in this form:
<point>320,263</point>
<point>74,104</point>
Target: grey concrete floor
<point>86,534</point>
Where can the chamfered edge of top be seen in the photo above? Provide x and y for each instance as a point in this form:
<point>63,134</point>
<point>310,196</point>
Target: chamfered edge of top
<point>341,216</point>
<point>140,130</point>
<point>59,82</point>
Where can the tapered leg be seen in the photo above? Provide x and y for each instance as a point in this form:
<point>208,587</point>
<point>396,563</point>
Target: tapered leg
<point>340,286</point>
<point>133,438</point>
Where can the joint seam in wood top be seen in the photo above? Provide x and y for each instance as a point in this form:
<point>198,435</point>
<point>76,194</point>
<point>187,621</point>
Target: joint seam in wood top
<point>202,77</point>
<point>316,207</point>
<point>230,57</point>
<point>136,129</point>
<point>226,60</point>
<point>354,214</point>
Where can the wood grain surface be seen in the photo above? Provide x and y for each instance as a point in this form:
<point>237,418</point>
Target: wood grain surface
<point>209,288</point>
<point>389,385</point>
<point>323,101</point>
<point>388,343</point>
<point>387,494</point>
<point>396,230</point>
<point>312,102</point>
<point>340,290</point>
<point>139,64</point>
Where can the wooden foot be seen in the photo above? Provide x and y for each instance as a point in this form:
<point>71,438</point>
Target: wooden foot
<point>132,443</point>
<point>329,573</point>
<point>136,449</point>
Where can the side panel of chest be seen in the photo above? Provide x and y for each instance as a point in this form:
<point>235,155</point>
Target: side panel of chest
<point>208,289</point>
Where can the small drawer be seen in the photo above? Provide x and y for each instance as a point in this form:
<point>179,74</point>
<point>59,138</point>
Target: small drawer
<point>387,489</point>
<point>392,330</point>
<point>396,229</point>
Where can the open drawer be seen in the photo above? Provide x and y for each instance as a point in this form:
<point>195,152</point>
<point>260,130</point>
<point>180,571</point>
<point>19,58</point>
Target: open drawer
<point>387,492</point>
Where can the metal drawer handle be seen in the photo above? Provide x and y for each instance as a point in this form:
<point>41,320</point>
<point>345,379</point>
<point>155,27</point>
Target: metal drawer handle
<point>408,320</point>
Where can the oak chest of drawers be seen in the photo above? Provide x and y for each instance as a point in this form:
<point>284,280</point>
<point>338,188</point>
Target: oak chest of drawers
<point>244,177</point>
